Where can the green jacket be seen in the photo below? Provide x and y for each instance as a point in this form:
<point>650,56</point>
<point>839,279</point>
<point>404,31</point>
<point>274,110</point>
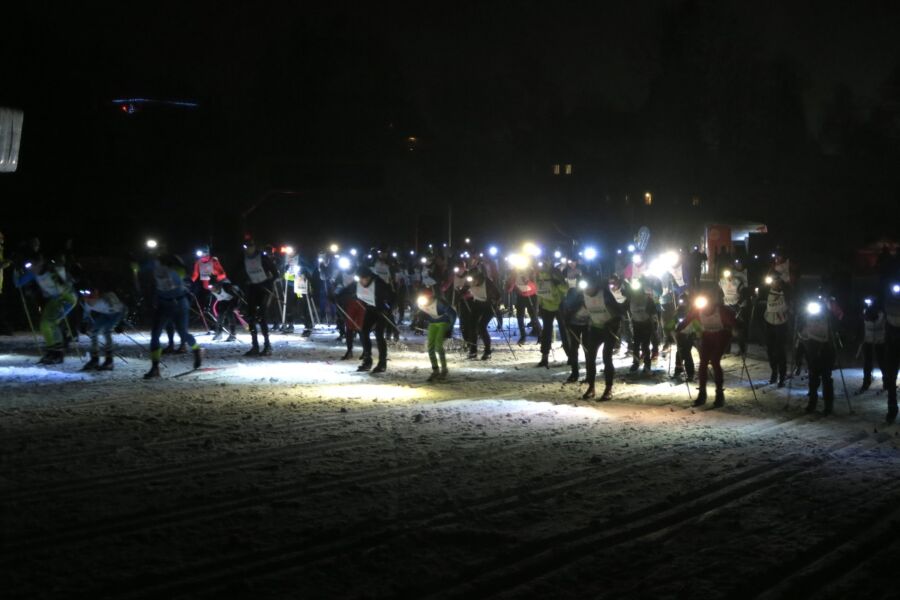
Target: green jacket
<point>551,291</point>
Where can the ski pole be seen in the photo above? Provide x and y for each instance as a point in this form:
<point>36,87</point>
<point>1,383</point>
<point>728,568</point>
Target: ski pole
<point>749,379</point>
<point>37,344</point>
<point>200,310</point>
<point>841,370</point>
<point>284,303</point>
<point>505,337</point>
<point>346,316</point>
<point>787,403</point>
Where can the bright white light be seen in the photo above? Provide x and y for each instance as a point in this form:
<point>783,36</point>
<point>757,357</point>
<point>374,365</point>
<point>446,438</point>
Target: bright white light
<point>590,253</point>
<point>152,244</point>
<point>619,251</point>
<point>468,241</point>
<point>394,254</point>
<point>343,263</point>
<point>582,285</point>
<point>352,251</point>
<point>701,302</point>
<point>28,265</point>
<point>290,250</point>
<point>531,249</point>
<point>896,288</point>
<point>518,261</point>
<point>493,250</point>
<point>456,269</point>
<point>422,301</point>
<point>769,279</point>
<point>557,254</point>
<point>631,247</point>
<point>637,259</point>
<point>726,273</point>
<point>814,308</point>
<point>356,278</point>
<point>656,268</point>
<point>635,284</point>
<point>199,253</point>
<point>868,301</point>
<point>412,252</point>
<point>469,279</point>
<point>540,265</point>
<point>334,248</point>
<point>669,258</point>
<point>423,260</point>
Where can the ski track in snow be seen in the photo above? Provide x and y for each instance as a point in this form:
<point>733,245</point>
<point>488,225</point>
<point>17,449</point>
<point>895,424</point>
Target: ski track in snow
<point>296,476</point>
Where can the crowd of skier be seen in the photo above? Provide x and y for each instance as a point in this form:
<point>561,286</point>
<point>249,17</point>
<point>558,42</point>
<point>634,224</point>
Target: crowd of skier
<point>627,304</point>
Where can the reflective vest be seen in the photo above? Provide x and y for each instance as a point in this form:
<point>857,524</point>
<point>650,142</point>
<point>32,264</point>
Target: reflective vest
<point>53,283</point>
<point>711,322</point>
<point>431,309</point>
<point>732,290</point>
<point>597,309</point>
<point>221,295</point>
<point>301,286</point>
<point>366,294</point>
<point>639,311</point>
<point>291,267</point>
<point>873,331</point>
<point>816,327</point>
<point>892,311</point>
<point>169,283</point>
<point>382,269</point>
<point>776,308</point>
<point>254,268</point>
<point>545,289</point>
<point>479,292</point>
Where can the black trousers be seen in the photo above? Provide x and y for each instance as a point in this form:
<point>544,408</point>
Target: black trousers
<point>776,347</point>
<point>467,323</point>
<point>259,298</point>
<point>891,364</point>
<point>525,304</point>
<point>741,328</point>
<point>547,318</point>
<point>643,332</point>
<point>226,319</point>
<point>297,308</point>
<point>595,337</point>
<point>374,320</point>
<point>482,313</point>
<point>871,353</point>
<point>821,363</point>
<point>684,357</point>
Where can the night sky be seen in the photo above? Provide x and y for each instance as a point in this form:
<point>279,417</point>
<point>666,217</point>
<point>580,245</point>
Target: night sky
<point>745,105</point>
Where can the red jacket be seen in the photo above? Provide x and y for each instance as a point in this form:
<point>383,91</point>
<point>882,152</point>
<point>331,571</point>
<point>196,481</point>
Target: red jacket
<point>206,267</point>
<point>513,284</point>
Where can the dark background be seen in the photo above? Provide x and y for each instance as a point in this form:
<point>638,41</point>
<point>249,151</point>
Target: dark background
<point>786,113</point>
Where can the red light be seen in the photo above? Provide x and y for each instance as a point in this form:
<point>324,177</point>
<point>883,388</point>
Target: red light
<point>124,108</point>
<point>284,249</point>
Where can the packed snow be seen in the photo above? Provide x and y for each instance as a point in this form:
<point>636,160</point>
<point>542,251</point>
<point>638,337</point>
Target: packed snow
<point>294,476</point>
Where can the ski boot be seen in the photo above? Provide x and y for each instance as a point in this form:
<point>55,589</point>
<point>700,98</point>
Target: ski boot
<point>634,367</point>
<point>197,359</point>
<point>217,336</point>
<point>891,416</point>
<point>306,333</point>
<point>720,398</point>
<point>182,349</point>
<point>607,393</point>
<point>170,349</point>
<point>701,397</point>
<point>521,341</point>
<point>153,373</point>
<point>92,365</point>
<point>573,377</point>
<point>781,382</point>
<point>829,407</point>
<point>866,384</point>
<point>647,370</point>
<point>267,349</point>
<point>347,355</point>
<point>435,375</point>
<point>811,405</point>
<point>52,357</point>
<point>442,376</point>
<point>288,329</point>
<point>381,367</point>
<point>253,351</point>
<point>231,338</point>
<point>473,355</point>
<point>589,393</point>
<point>107,363</point>
<point>544,363</point>
<point>677,372</point>
<point>366,365</point>
<point>486,355</point>
<point>773,378</point>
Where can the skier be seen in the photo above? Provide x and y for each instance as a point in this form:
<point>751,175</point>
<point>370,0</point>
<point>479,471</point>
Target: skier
<point>684,339</point>
<point>874,328</point>
<point>737,299</point>
<point>595,303</point>
<point>461,300</point>
<point>817,326</point>
<point>226,302</point>
<point>713,323</point>
<point>260,274</point>
<point>626,331</point>
<point>374,293</point>
<point>440,316</point>
<point>644,313</point>
<point>297,293</point>
<point>205,267</point>
<point>171,305</point>
<point>521,284</point>
<point>551,291</point>
<point>55,285</point>
<point>103,311</point>
<point>776,315</point>
<point>484,294</point>
<point>892,348</point>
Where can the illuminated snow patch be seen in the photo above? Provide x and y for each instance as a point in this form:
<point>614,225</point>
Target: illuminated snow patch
<point>370,391</point>
<point>37,375</point>
<point>521,407</point>
<point>293,372</point>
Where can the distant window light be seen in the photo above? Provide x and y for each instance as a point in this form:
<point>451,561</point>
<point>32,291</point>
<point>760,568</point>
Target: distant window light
<point>569,169</point>
<point>556,169</point>
<point>695,201</point>
<point>648,198</point>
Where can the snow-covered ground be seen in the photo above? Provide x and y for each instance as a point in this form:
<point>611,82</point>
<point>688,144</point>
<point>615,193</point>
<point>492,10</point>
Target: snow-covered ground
<point>293,476</point>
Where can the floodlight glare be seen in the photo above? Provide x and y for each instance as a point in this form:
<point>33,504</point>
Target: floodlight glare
<point>631,247</point>
<point>343,263</point>
<point>152,244</point>
<point>590,253</point>
<point>701,302</point>
<point>582,285</point>
<point>493,250</point>
<point>814,308</point>
<point>422,301</point>
<point>635,284</point>
<point>334,248</point>
<point>769,280</point>
<point>726,273</point>
<point>637,259</point>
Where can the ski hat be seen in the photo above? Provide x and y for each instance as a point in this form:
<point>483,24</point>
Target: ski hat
<point>364,271</point>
